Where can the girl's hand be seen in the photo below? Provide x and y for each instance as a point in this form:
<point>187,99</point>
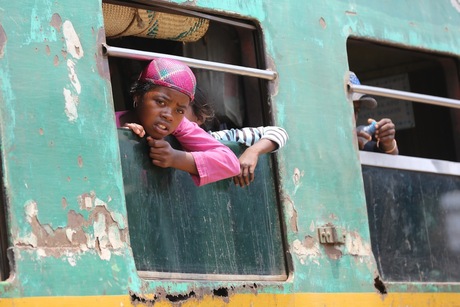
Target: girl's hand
<point>248,163</point>
<point>136,128</point>
<point>161,153</point>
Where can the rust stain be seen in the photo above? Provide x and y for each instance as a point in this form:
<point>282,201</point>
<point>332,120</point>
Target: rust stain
<point>40,131</point>
<point>101,61</point>
<point>332,252</point>
<point>350,13</point>
<point>322,23</point>
<point>56,22</point>
<point>48,50</point>
<point>192,296</point>
<point>3,40</point>
<point>108,236</point>
<point>309,242</point>
<point>64,203</point>
<point>86,201</point>
<point>80,161</point>
<point>292,213</point>
<point>56,60</point>
<point>306,250</point>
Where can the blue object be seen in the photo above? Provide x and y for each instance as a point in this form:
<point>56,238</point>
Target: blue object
<point>370,129</point>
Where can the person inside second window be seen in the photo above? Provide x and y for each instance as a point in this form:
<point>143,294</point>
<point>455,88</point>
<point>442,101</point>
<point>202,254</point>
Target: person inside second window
<point>379,136</point>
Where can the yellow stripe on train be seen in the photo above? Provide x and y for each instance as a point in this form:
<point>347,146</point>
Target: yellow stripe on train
<point>259,300</point>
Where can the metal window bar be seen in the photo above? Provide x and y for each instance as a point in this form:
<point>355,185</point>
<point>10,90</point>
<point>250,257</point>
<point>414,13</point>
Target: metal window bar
<point>144,55</point>
<point>384,92</point>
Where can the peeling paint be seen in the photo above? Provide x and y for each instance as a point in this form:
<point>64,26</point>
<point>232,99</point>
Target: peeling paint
<point>64,203</point>
<point>309,249</point>
<point>56,22</point>
<point>322,23</point>
<point>456,4</point>
<point>80,161</point>
<point>69,241</point>
<point>291,213</point>
<point>332,251</point>
<point>40,31</point>
<point>73,76</point>
<point>71,103</point>
<point>31,210</point>
<point>312,226</point>
<point>72,41</point>
<point>296,177</point>
<point>102,240</point>
<point>3,40</point>
<point>86,201</point>
<point>356,246</point>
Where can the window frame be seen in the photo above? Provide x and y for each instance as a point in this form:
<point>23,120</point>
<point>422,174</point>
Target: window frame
<point>257,75</point>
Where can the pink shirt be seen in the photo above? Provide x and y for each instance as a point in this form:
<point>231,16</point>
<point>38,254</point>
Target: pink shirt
<point>214,161</point>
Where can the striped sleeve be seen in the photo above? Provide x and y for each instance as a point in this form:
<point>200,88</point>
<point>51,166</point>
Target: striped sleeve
<point>275,134</point>
<point>249,136</point>
<point>245,136</point>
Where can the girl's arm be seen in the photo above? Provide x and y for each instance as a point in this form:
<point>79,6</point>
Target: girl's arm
<point>250,136</point>
<point>260,140</point>
<point>213,160</point>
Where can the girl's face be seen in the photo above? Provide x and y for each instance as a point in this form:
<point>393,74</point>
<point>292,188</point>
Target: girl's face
<point>161,110</point>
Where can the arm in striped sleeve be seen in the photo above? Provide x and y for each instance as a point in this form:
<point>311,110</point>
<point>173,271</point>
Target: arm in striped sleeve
<point>245,136</point>
<point>275,134</point>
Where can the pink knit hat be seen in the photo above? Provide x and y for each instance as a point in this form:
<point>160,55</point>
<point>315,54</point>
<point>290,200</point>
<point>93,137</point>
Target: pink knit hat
<point>170,73</point>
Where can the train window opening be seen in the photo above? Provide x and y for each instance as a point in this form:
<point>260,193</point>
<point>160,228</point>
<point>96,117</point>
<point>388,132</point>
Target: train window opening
<point>178,230</point>
<point>413,199</point>
<point>422,130</point>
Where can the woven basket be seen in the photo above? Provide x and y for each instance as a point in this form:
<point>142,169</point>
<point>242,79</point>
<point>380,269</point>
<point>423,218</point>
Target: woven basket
<point>117,18</point>
<point>126,21</point>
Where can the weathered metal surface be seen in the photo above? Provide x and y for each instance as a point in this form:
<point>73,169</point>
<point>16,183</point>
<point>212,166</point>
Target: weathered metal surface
<point>62,172</point>
<point>63,181</point>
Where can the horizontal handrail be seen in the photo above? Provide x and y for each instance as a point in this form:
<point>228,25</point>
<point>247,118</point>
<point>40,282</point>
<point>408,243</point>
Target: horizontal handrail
<point>384,92</point>
<point>409,163</point>
<point>215,66</point>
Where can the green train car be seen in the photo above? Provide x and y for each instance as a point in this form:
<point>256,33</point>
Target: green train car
<point>86,219</point>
